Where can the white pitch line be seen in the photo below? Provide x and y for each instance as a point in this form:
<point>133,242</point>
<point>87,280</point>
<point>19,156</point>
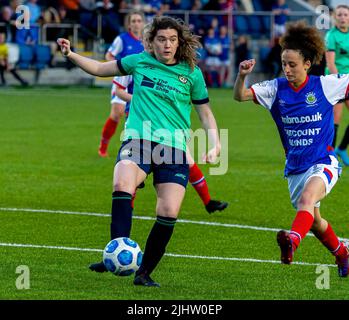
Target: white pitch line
<point>96,214</point>
<point>218,224</point>
<point>175,255</point>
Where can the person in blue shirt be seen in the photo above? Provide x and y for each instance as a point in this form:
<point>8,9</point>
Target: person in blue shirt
<point>302,109</point>
<point>281,12</point>
<point>225,56</point>
<point>125,44</point>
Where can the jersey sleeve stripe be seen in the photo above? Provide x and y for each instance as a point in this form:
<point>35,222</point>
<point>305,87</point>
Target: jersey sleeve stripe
<point>254,96</point>
<point>202,101</point>
<point>122,70</point>
<point>119,85</point>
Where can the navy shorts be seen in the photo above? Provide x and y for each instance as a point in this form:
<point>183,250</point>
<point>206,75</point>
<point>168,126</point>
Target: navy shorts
<point>167,164</point>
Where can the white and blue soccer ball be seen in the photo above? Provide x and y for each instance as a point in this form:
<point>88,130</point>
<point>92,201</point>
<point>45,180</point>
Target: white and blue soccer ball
<point>122,256</point>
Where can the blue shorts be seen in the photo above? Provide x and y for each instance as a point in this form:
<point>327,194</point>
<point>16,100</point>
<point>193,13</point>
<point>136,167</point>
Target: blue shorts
<point>167,164</point>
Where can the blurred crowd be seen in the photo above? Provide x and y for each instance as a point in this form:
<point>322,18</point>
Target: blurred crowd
<point>107,17</point>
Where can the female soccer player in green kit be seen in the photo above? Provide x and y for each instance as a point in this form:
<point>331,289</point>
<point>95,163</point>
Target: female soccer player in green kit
<point>166,82</point>
<point>337,60</point>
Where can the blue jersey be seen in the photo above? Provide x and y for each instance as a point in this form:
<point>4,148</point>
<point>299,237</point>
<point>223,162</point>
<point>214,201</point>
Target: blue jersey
<point>124,45</point>
<point>225,48</point>
<point>304,117</point>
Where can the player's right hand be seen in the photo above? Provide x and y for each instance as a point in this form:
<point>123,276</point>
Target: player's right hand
<point>65,46</point>
<point>246,66</point>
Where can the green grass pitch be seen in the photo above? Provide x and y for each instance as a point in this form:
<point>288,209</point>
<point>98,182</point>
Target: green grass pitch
<point>48,161</point>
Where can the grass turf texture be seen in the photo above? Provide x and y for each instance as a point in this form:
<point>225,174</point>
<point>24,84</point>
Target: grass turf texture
<point>49,140</point>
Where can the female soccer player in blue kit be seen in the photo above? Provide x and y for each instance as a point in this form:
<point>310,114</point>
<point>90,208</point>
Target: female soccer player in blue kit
<point>302,108</point>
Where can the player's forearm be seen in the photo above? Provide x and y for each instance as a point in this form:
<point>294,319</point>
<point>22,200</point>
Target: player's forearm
<point>123,95</point>
<point>93,67</point>
<point>330,61</point>
<point>240,91</point>
<point>332,68</point>
<point>208,122</point>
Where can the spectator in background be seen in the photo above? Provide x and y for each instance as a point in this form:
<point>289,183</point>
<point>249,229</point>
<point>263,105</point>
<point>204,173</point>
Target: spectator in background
<point>110,20</point>
<point>152,8</point>
<point>273,61</point>
<point>34,10</point>
<point>242,51</point>
<point>5,65</point>
<point>3,58</point>
<point>247,6</point>
<point>225,57</point>
<point>228,6</point>
<point>213,47</point>
<point>281,12</point>
<point>28,36</point>
<point>195,20</point>
<point>9,27</point>
<point>87,5</point>
<point>72,7</point>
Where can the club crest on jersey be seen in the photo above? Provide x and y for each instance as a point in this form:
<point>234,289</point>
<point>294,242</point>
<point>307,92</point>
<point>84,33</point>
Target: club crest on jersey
<point>126,153</point>
<point>183,79</point>
<point>310,98</point>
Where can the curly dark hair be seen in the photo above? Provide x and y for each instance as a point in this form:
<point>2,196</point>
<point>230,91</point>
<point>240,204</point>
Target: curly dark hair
<point>305,39</point>
<point>188,42</point>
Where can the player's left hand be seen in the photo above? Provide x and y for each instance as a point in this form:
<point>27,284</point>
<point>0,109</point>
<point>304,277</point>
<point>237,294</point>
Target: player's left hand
<point>211,156</point>
<point>65,46</point>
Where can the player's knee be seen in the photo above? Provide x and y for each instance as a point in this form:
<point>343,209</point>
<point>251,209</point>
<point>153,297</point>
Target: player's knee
<point>115,116</point>
<point>168,210</point>
<point>124,185</point>
<point>117,113</point>
<point>306,199</point>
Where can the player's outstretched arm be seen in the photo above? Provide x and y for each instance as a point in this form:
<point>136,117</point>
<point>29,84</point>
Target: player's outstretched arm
<point>123,94</point>
<point>241,93</point>
<point>208,122</point>
<point>96,68</point>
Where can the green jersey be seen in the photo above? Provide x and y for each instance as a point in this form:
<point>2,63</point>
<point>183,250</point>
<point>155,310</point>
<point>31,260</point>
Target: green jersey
<point>338,42</point>
<point>161,101</point>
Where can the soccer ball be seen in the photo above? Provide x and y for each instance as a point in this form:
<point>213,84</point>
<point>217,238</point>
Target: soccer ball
<point>122,256</point>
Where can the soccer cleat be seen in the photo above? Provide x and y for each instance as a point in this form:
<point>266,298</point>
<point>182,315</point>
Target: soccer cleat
<point>343,155</point>
<point>215,205</point>
<point>285,243</point>
<point>144,280</point>
<point>343,263</point>
<point>98,267</point>
<point>103,153</point>
<point>102,150</point>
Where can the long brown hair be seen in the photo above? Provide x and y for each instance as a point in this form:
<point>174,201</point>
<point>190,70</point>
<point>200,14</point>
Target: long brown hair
<point>188,42</point>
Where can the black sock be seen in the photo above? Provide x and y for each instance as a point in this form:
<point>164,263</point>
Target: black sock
<point>156,244</point>
<point>335,135</point>
<point>345,140</point>
<point>121,215</point>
